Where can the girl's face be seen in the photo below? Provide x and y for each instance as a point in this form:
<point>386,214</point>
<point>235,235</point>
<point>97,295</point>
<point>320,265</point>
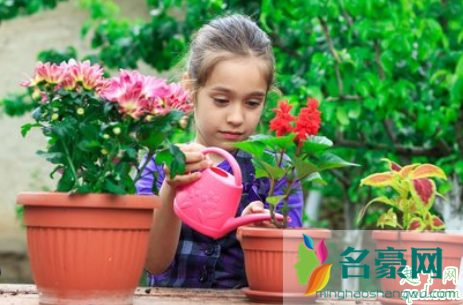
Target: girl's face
<point>229,105</point>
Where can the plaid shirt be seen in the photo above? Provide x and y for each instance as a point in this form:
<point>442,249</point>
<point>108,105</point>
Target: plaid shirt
<point>204,262</point>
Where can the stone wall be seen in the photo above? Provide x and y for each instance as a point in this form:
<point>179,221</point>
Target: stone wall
<point>20,169</point>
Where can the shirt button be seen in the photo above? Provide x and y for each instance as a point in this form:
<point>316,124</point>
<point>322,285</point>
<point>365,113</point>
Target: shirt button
<point>203,276</point>
<point>210,251</point>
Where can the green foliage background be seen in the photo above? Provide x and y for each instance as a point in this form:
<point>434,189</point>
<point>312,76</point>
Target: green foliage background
<point>389,74</point>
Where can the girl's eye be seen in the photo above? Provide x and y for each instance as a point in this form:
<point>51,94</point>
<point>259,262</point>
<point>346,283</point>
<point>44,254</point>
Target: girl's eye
<point>220,101</point>
<point>253,103</point>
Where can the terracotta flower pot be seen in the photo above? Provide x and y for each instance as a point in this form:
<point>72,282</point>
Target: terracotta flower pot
<point>270,256</point>
<point>452,252</point>
<point>87,249</point>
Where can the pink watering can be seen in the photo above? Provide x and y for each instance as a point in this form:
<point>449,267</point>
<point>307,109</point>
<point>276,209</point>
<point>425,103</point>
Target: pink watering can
<point>209,204</point>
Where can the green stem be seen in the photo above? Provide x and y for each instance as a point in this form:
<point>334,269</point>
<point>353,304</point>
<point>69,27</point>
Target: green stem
<point>109,160</point>
<point>281,158</point>
<point>71,165</point>
<point>142,169</point>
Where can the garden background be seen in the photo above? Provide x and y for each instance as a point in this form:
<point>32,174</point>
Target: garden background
<point>388,75</point>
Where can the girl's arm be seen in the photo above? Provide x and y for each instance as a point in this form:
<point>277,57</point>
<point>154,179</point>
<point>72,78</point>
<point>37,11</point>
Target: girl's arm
<point>166,226</point>
<point>164,234</point>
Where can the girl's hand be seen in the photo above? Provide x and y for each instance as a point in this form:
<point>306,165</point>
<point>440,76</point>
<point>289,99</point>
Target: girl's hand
<point>195,160</point>
<point>258,207</point>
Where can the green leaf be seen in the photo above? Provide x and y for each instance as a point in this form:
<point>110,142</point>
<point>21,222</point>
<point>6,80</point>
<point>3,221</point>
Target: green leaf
<point>66,183</point>
<point>342,116</point>
<point>26,127</point>
<point>382,199</point>
<point>174,158</point>
<point>285,142</point>
<point>313,178</point>
<point>314,144</point>
<point>53,157</point>
<point>274,200</point>
<point>459,68</point>
<point>304,168</point>
<point>329,161</point>
<point>114,188</point>
<point>87,145</point>
<point>254,148</point>
<point>274,172</point>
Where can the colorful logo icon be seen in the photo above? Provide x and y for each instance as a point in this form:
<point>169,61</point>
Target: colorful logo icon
<point>309,267</point>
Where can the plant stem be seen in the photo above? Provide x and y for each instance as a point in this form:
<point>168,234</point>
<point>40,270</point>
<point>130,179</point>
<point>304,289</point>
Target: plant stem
<point>142,169</point>
<point>71,164</point>
<point>280,160</point>
<point>111,156</point>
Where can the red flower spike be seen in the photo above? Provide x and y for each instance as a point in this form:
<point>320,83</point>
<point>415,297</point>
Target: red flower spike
<point>309,120</point>
<point>281,122</point>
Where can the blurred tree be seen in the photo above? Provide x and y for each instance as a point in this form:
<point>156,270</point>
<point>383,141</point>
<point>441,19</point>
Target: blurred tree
<point>389,74</point>
<point>13,8</point>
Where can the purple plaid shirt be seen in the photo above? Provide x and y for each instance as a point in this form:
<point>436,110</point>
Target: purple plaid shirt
<point>204,262</point>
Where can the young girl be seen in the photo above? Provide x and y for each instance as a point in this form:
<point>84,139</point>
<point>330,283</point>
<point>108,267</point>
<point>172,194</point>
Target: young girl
<point>230,71</point>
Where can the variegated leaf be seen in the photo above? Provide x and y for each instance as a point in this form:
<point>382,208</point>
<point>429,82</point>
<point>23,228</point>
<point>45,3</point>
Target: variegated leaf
<point>392,165</point>
<point>427,171</point>
<point>423,192</point>
<point>416,224</point>
<point>382,199</point>
<point>406,170</point>
<point>379,180</point>
<point>437,223</point>
<point>388,219</point>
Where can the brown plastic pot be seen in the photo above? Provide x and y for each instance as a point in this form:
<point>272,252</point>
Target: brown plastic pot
<point>270,256</point>
<point>87,249</point>
<point>452,252</point>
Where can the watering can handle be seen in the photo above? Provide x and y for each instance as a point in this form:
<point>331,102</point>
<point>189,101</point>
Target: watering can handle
<point>231,160</point>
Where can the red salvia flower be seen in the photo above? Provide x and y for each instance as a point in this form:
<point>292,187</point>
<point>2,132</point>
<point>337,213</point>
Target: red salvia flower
<point>308,121</point>
<point>281,122</point>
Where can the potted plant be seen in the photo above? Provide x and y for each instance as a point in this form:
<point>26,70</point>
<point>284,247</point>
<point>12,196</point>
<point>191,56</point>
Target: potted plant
<point>294,156</point>
<point>410,212</point>
<point>88,240</point>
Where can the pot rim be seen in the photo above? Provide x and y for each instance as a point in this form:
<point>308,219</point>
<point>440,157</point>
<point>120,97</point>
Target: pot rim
<point>89,200</point>
<point>437,236</point>
<point>290,232</point>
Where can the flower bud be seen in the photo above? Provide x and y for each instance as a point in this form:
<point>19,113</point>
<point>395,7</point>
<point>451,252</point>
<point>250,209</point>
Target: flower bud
<point>80,111</point>
<point>54,116</point>
<point>116,130</point>
<point>106,136</point>
<point>104,151</point>
<point>36,94</point>
<point>183,122</point>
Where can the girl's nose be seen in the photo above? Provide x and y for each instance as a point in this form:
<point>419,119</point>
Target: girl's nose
<point>236,116</point>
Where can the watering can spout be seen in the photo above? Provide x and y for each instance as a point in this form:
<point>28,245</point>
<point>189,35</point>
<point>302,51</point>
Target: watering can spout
<point>234,223</point>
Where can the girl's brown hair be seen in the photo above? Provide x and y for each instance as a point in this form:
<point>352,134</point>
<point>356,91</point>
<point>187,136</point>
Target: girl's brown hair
<point>224,38</point>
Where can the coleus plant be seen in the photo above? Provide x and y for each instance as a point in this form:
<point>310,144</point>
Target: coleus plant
<point>416,196</point>
<point>294,155</point>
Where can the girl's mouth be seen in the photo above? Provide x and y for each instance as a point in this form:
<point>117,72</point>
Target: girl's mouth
<point>230,135</point>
